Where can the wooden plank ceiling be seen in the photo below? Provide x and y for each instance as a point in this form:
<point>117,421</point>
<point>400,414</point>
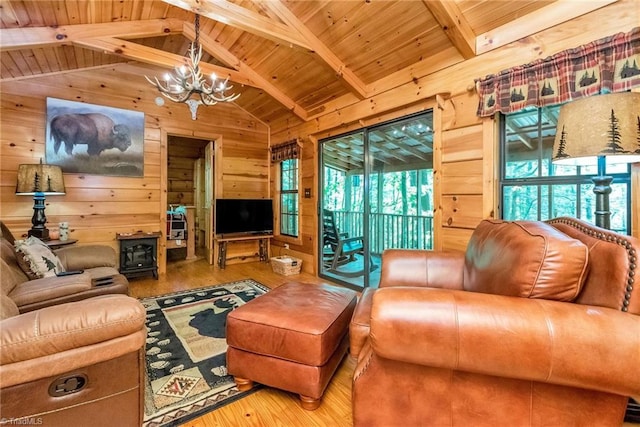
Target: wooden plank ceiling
<point>291,60</point>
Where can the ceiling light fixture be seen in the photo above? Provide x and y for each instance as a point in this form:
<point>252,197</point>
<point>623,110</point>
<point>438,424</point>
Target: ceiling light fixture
<point>187,80</point>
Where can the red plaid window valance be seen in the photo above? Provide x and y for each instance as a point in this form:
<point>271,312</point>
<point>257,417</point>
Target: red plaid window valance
<point>285,151</point>
<point>611,64</point>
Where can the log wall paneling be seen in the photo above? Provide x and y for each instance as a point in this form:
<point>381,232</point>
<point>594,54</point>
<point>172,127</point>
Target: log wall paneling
<point>98,207</point>
<point>462,178</point>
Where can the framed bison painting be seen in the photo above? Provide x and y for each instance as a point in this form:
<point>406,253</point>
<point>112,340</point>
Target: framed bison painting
<point>93,139</point>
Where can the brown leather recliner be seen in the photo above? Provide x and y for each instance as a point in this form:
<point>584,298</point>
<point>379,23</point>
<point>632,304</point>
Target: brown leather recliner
<point>535,325</point>
<point>100,276</point>
<point>70,363</point>
<point>79,363</point>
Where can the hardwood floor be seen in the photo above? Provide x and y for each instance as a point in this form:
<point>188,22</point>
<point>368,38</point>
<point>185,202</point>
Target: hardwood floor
<point>266,407</point>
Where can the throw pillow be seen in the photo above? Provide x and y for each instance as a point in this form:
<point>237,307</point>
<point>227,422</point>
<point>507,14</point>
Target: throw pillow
<point>529,259</point>
<point>37,258</point>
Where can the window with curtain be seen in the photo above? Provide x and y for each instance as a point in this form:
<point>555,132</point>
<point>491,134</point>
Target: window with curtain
<point>533,188</point>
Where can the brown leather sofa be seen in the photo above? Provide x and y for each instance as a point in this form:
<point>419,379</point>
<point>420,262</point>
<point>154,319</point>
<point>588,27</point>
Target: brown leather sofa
<point>69,363</point>
<point>536,324</point>
<point>100,276</point>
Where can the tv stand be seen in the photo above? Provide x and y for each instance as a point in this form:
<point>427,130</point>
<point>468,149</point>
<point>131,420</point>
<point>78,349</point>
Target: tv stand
<point>263,247</point>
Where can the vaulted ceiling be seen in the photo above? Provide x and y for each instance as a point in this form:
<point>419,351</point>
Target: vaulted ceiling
<point>291,60</point>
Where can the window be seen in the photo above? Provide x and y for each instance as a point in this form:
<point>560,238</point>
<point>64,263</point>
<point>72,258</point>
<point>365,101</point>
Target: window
<point>289,197</point>
<point>533,188</point>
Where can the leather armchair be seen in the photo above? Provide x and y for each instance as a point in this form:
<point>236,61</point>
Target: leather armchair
<point>536,324</point>
<point>79,363</point>
<point>100,276</point>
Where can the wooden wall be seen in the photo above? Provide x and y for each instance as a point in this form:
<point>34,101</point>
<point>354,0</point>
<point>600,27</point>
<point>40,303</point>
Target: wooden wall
<point>465,192</point>
<point>98,207</point>
<point>465,147</point>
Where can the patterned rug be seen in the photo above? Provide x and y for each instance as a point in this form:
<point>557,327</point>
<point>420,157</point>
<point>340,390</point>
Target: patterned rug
<point>186,351</point>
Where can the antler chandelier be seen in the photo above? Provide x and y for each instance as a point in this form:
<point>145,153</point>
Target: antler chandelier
<point>187,81</point>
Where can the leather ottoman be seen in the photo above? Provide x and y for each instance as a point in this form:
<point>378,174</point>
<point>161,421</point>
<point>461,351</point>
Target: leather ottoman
<point>291,338</point>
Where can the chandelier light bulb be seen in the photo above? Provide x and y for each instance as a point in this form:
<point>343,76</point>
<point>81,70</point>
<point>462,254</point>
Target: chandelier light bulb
<point>213,76</point>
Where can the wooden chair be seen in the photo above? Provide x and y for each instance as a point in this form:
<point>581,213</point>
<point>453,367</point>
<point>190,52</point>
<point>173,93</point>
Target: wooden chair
<point>339,248</point>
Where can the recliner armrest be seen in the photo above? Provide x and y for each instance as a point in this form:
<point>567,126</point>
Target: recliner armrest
<point>87,256</point>
<point>48,288</point>
<point>422,268</point>
<point>528,339</point>
<point>64,327</point>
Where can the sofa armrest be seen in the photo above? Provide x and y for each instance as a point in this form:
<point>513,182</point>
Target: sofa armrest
<point>422,268</point>
<point>48,288</point>
<point>527,339</point>
<point>359,325</point>
<point>87,256</point>
<point>65,327</point>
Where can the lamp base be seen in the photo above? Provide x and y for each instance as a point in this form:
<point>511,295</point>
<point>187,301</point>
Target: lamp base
<point>40,233</point>
<point>602,189</point>
<point>39,219</point>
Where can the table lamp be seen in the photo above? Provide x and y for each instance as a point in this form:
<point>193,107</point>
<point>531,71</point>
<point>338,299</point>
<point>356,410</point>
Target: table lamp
<point>39,180</point>
<point>605,127</point>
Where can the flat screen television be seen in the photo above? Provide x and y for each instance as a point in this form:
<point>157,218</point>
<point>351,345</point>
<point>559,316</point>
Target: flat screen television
<point>244,216</point>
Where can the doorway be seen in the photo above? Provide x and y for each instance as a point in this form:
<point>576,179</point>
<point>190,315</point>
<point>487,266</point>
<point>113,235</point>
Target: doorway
<point>377,193</point>
<point>190,181</point>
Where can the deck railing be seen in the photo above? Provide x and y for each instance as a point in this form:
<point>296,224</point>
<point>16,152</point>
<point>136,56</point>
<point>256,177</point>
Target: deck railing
<point>389,230</point>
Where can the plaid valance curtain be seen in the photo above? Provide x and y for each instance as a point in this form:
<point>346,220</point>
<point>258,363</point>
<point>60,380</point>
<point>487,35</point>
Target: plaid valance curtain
<point>607,65</point>
<point>285,151</point>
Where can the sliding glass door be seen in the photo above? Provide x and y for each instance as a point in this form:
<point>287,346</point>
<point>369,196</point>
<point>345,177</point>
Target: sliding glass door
<point>377,193</point>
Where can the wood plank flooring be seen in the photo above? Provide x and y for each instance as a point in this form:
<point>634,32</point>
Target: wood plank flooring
<point>266,407</point>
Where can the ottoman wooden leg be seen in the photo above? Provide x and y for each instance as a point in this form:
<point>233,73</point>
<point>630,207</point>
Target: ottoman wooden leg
<point>243,384</point>
<point>309,403</point>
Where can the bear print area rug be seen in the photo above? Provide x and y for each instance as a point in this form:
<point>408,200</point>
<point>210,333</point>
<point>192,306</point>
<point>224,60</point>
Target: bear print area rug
<point>186,351</point>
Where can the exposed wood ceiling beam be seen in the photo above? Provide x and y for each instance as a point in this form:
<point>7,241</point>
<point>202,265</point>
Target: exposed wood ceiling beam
<point>38,37</point>
<point>413,150</point>
<point>519,136</point>
<point>221,53</point>
<point>353,82</point>
<point>153,56</point>
<point>338,154</point>
<point>454,25</point>
<point>546,17</point>
<point>239,17</point>
<point>375,149</point>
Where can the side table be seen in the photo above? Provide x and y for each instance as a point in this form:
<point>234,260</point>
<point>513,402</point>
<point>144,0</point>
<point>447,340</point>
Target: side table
<point>56,243</point>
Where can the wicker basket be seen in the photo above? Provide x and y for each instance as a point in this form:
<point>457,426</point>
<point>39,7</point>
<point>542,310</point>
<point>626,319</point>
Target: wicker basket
<point>286,265</point>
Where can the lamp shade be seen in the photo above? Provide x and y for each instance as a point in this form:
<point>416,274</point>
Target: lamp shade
<point>39,178</point>
<point>603,125</point>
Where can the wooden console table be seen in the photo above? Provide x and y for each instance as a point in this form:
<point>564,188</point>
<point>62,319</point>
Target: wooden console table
<point>263,247</point>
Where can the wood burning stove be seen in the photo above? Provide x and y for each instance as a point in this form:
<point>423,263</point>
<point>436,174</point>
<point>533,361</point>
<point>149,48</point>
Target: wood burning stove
<point>138,254</point>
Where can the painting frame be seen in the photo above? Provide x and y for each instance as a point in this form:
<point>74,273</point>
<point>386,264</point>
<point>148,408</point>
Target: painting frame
<point>94,139</point>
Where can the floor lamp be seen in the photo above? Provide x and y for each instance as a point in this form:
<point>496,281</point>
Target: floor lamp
<point>599,130</point>
<point>39,180</point>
